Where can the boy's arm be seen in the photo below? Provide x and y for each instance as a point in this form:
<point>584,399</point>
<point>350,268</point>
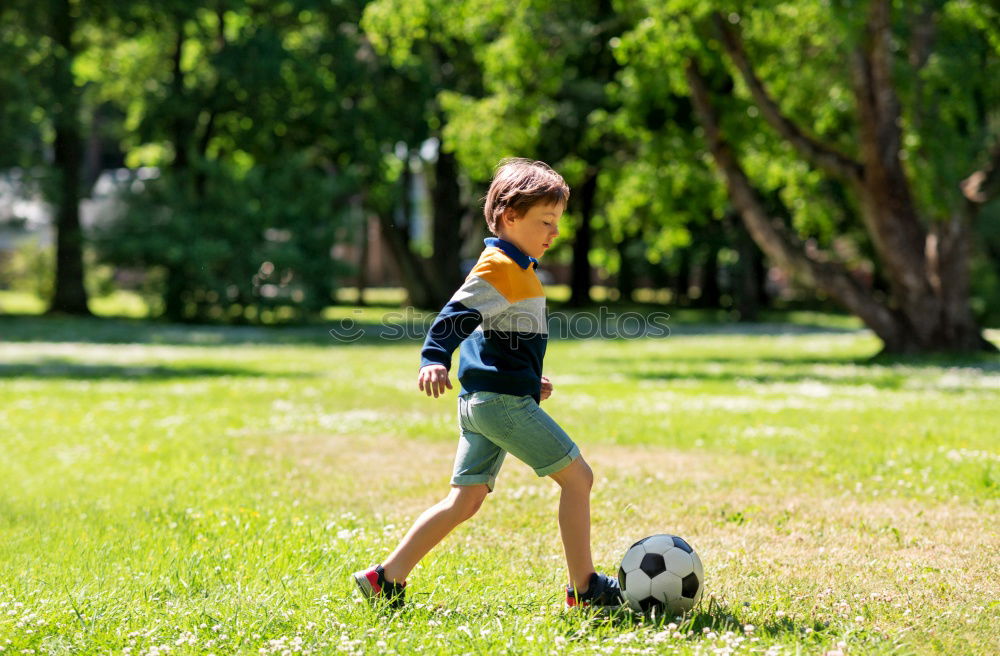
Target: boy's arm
<point>478,298</point>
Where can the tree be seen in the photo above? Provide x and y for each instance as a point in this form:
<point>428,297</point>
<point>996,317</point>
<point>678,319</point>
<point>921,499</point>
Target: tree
<point>254,116</point>
<point>417,40</point>
<point>922,245</point>
<point>48,37</point>
<point>545,67</point>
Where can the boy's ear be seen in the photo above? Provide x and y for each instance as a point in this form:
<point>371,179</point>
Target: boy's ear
<point>510,215</point>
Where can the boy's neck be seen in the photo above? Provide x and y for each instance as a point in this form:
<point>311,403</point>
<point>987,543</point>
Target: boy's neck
<point>503,235</point>
<point>523,258</point>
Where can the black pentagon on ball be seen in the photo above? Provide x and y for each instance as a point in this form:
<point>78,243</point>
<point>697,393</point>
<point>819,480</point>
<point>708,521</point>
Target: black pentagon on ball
<point>649,603</point>
<point>681,544</point>
<point>652,564</point>
<point>621,578</point>
<point>689,586</point>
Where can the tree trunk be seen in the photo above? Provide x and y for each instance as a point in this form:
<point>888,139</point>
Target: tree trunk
<point>447,206</point>
<point>927,270</point>
<point>775,239</point>
<point>173,297</point>
<point>405,209</point>
<point>710,296</point>
<point>174,305</point>
<point>748,283</point>
<point>626,270</point>
<point>681,281</point>
<point>363,258</point>
<point>70,295</point>
<point>580,273</point>
<point>421,290</point>
<point>180,126</point>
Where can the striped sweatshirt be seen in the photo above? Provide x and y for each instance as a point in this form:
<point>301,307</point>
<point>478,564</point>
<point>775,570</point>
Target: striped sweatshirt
<point>498,317</point>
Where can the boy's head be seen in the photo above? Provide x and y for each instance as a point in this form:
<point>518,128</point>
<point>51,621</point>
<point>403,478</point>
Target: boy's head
<point>524,203</point>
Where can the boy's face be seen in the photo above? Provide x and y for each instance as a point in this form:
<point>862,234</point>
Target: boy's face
<point>535,231</point>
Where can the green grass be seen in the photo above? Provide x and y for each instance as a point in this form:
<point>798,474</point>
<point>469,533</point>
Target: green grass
<point>191,489</point>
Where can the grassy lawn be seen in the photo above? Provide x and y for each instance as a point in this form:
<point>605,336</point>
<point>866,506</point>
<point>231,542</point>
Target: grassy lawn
<point>178,490</point>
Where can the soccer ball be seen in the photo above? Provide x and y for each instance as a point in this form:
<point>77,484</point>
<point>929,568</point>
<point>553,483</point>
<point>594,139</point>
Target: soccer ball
<point>661,573</point>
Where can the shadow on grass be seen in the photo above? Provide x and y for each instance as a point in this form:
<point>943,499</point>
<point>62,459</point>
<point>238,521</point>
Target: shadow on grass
<point>95,330</point>
<point>397,328</point>
<point>410,327</point>
<point>58,368</point>
<point>883,372</point>
<point>354,327</point>
<point>706,619</point>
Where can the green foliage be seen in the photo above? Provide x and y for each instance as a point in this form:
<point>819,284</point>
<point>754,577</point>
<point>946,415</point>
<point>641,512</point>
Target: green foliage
<point>219,96</point>
<point>266,123</point>
<point>254,239</point>
<point>953,101</point>
<point>28,267</point>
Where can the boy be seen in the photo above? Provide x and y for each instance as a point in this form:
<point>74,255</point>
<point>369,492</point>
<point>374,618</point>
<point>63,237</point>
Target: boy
<point>498,317</point>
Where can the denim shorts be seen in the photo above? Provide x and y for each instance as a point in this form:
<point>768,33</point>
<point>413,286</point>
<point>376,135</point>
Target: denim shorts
<point>493,424</point>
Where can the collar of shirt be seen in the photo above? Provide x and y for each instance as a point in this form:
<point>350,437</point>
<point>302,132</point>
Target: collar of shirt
<point>512,251</point>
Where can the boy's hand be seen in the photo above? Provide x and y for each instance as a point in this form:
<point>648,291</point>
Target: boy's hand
<point>433,379</point>
<point>546,388</point>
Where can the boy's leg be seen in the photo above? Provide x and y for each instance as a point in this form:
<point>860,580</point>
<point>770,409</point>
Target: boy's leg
<point>523,429</point>
<point>431,527</point>
<point>576,481</point>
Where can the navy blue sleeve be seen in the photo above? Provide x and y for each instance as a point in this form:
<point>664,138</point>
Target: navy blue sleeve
<point>453,324</point>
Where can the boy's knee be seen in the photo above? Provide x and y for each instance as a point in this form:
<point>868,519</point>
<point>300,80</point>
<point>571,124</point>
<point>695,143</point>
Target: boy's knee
<point>577,475</point>
<point>586,474</point>
<point>466,500</point>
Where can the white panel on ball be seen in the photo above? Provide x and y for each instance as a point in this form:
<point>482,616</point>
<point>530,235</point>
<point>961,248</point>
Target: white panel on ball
<point>638,585</point>
<point>666,587</point>
<point>698,569</point>
<point>678,561</point>
<point>659,544</point>
<point>632,559</point>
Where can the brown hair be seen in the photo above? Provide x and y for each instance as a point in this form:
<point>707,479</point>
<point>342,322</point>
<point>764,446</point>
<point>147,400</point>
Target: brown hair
<point>518,184</point>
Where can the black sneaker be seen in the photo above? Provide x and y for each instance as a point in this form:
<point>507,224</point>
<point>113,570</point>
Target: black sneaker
<point>603,591</point>
<point>374,586</point>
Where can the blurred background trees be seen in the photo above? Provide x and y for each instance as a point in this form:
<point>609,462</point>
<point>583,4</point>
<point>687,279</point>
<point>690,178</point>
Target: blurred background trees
<point>239,160</point>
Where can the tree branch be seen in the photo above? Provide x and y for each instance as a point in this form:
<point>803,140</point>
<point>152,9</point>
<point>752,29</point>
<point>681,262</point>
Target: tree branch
<point>821,155</point>
<point>882,93</point>
<point>886,199</point>
<point>923,23</point>
<point>773,237</point>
